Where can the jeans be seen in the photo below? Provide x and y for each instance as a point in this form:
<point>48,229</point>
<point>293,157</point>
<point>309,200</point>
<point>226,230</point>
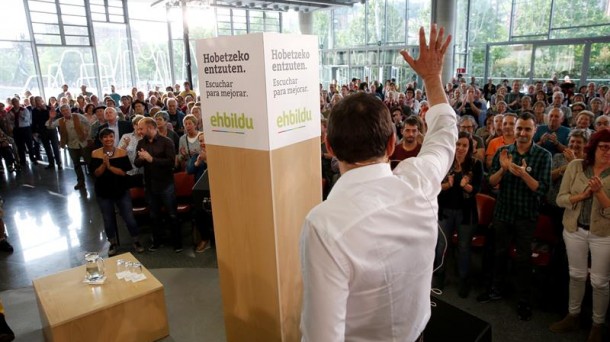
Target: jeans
<point>75,155</point>
<point>451,220</point>
<point>165,198</point>
<point>521,233</point>
<point>108,214</point>
<point>578,245</point>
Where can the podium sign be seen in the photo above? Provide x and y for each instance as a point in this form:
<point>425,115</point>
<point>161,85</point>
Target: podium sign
<point>259,91</point>
<point>261,119</point>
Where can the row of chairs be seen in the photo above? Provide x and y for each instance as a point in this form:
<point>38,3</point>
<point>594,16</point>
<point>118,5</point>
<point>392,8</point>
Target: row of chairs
<point>183,183</point>
<point>544,234</point>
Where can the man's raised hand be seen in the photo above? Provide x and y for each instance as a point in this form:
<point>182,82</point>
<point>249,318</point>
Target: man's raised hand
<point>430,60</point>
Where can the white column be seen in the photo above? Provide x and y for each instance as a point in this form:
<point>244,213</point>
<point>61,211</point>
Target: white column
<point>306,22</point>
<point>444,13</point>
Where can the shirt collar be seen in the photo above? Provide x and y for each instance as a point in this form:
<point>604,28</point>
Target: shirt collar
<point>361,175</point>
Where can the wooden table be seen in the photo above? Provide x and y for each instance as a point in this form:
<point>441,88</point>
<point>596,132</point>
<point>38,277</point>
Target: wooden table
<point>71,310</point>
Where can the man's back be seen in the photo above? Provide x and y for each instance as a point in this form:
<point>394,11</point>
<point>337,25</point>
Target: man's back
<point>374,238</point>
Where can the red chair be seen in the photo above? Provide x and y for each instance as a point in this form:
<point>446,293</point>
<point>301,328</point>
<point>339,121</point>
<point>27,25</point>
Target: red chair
<point>138,201</point>
<point>485,210</point>
<point>184,183</point>
<point>544,240</point>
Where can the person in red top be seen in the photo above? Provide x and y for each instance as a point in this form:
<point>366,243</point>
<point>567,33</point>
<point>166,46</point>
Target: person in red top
<point>410,145</point>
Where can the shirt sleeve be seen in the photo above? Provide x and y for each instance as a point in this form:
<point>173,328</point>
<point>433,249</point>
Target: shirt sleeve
<point>544,175</point>
<point>325,289</point>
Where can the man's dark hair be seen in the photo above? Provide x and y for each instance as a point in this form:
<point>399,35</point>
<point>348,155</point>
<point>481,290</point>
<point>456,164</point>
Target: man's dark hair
<point>359,128</point>
<point>363,86</point>
<point>98,108</point>
<point>133,105</point>
<point>526,116</point>
<point>411,120</point>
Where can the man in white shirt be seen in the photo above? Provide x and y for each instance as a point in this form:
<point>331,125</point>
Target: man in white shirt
<point>367,252</point>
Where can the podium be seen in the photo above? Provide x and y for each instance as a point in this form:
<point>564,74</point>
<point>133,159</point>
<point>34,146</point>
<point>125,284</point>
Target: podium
<point>260,101</point>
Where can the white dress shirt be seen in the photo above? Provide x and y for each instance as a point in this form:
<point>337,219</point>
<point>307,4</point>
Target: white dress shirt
<point>367,251</point>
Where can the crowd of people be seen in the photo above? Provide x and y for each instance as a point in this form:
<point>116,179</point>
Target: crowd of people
<point>122,141</point>
<point>538,149</point>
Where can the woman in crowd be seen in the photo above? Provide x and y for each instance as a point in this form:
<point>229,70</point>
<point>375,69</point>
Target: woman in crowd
<point>539,108</point>
<point>583,120</point>
<point>110,166</point>
<point>88,112</point>
<point>129,142</point>
<point>196,165</point>
<point>458,210</point>
<point>162,118</point>
<point>602,122</point>
<point>584,193</point>
<point>196,111</point>
<point>188,145</point>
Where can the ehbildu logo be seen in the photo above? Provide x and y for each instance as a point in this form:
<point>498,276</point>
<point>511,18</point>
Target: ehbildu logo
<point>294,117</point>
<point>231,122</point>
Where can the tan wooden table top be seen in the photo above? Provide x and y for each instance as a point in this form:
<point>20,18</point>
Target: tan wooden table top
<point>65,297</point>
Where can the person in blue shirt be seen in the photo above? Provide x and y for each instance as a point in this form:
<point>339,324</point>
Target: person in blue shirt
<point>553,137</point>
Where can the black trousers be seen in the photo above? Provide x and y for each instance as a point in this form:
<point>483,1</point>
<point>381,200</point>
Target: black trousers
<point>23,139</point>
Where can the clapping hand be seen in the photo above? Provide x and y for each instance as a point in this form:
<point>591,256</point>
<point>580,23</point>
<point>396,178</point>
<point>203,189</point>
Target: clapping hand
<point>505,160</point>
<point>465,181</point>
<point>450,180</point>
<point>595,184</point>
<point>143,154</point>
<point>569,155</point>
<point>517,170</point>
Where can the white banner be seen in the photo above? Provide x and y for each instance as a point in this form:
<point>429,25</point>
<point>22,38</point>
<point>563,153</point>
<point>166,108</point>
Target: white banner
<point>259,91</point>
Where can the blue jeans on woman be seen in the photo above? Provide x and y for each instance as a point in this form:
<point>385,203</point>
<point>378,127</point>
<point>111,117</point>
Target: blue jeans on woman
<point>109,215</point>
<point>451,220</point>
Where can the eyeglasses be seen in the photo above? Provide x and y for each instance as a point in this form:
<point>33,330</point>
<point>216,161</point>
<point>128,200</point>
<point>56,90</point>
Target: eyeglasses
<point>604,148</point>
<point>466,127</point>
<point>602,123</point>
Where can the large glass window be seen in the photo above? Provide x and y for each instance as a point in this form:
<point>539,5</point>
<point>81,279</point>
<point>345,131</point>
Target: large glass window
<point>348,26</point>
<point>510,61</point>
<point>113,56</point>
<point>396,11</point>
<point>599,62</point>
<point>67,65</point>
<point>418,15</point>
<point>376,22</point>
<point>321,27</point>
<point>17,71</point>
<point>14,22</point>
<point>558,60</point>
<point>531,18</point>
<point>151,54</point>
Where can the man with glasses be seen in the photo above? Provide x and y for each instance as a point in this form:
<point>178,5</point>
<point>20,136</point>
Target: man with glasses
<point>468,124</point>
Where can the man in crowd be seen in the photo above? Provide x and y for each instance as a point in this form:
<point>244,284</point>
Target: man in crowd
<point>73,132</point>
<point>119,127</point>
<point>553,137</point>
<point>22,131</point>
<point>188,91</point>
<point>523,170</point>
<point>175,116</point>
<point>558,98</point>
<point>513,99</point>
<point>507,137</point>
<point>156,154</point>
<point>47,136</point>
<point>410,146</point>
<point>355,290</point>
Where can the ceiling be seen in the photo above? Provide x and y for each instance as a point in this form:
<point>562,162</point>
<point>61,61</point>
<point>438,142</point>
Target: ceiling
<point>280,6</point>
